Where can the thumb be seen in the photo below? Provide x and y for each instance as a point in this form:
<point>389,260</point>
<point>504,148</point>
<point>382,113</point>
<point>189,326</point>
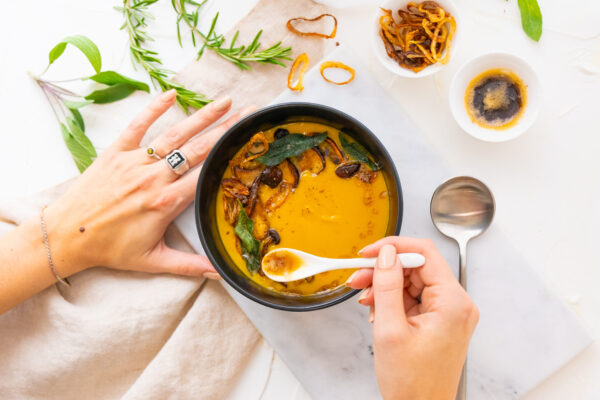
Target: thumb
<point>164,259</point>
<point>388,290</point>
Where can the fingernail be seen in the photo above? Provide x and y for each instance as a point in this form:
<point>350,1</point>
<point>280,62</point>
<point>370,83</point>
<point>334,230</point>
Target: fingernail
<point>222,103</point>
<point>212,275</point>
<point>364,295</point>
<point>168,95</point>
<point>349,280</point>
<point>247,111</point>
<point>387,257</point>
<point>371,314</point>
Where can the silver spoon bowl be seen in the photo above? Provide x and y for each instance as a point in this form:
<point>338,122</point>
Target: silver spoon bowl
<point>462,208</point>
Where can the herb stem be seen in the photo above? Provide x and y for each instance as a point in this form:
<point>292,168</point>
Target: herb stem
<point>135,14</point>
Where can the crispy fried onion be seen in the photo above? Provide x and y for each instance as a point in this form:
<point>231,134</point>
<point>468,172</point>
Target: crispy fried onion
<point>422,37</point>
<point>291,27</point>
<point>302,59</point>
<point>256,147</point>
<point>336,64</point>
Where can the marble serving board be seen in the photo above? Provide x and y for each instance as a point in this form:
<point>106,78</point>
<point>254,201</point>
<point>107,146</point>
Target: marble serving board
<point>525,332</point>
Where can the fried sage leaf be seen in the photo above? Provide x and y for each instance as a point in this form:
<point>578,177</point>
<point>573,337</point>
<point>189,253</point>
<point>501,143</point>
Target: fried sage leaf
<point>250,246</point>
<point>290,146</point>
<point>357,152</point>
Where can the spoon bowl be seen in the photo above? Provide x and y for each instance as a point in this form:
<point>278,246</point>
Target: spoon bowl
<point>462,208</point>
<point>285,265</point>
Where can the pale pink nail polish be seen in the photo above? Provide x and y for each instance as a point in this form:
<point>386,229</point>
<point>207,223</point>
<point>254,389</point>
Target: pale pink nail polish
<point>212,275</point>
<point>349,280</point>
<point>387,257</point>
<point>222,103</point>
<point>364,295</point>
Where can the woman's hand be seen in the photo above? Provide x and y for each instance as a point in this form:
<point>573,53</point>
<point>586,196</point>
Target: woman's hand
<point>423,320</point>
<point>116,213</point>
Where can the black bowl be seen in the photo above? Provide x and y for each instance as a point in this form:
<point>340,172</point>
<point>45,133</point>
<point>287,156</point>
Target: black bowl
<point>217,161</point>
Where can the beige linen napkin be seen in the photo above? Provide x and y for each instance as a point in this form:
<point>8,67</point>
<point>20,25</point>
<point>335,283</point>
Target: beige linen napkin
<point>117,334</point>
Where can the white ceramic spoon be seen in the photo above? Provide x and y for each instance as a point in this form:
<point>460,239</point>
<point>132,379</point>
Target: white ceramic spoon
<point>285,265</point>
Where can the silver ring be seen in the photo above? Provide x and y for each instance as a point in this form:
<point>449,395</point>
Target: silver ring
<point>177,162</point>
<point>151,152</point>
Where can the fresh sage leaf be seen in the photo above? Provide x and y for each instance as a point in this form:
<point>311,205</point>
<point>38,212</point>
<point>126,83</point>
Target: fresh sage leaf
<point>112,78</point>
<point>357,152</point>
<point>111,93</point>
<point>80,137</point>
<point>81,157</point>
<point>250,246</point>
<point>78,118</point>
<point>84,44</point>
<point>290,146</point>
<point>531,18</point>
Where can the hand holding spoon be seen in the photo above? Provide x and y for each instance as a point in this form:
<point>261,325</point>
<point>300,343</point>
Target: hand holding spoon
<point>285,265</point>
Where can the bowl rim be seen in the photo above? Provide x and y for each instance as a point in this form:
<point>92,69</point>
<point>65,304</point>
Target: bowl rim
<point>204,173</point>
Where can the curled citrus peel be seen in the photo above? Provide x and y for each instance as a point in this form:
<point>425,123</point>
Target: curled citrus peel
<point>336,64</point>
<point>302,62</point>
<point>291,27</point>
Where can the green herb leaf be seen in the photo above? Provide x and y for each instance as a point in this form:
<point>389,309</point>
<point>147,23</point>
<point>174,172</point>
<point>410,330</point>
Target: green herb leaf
<point>111,93</point>
<point>112,78</point>
<point>290,146</point>
<point>531,18</point>
<point>87,47</point>
<point>81,157</point>
<point>73,105</point>
<point>80,137</point>
<point>357,152</point>
<point>250,246</point>
<point>78,118</point>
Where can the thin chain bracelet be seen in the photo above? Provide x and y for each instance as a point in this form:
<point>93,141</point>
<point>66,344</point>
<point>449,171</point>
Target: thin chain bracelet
<point>64,281</point>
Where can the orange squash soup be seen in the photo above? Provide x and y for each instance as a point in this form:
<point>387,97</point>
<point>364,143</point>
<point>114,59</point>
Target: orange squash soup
<point>306,186</point>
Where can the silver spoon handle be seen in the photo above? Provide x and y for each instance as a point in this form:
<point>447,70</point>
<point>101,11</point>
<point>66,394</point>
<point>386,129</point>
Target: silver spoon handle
<point>462,277</point>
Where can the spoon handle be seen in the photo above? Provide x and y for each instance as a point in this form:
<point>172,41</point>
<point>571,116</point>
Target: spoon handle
<point>408,260</point>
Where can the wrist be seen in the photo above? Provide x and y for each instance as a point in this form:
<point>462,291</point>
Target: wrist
<point>66,242</point>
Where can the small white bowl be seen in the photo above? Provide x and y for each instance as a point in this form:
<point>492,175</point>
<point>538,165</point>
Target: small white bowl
<point>391,64</point>
<point>480,64</point>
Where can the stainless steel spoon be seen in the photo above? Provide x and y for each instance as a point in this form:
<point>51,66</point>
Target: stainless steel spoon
<point>462,208</point>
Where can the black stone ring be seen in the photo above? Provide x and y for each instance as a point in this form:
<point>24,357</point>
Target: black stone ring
<point>177,162</point>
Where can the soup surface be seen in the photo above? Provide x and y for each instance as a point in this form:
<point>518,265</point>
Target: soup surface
<point>335,210</point>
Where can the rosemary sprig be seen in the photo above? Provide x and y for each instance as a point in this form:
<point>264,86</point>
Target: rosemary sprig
<point>135,24</point>
<point>242,55</point>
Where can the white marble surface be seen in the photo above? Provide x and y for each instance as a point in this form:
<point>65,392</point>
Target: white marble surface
<point>515,345</point>
<point>547,181</point>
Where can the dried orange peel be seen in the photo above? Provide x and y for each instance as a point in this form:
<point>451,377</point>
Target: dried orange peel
<point>421,38</point>
<point>302,62</point>
<point>337,64</point>
<point>291,27</point>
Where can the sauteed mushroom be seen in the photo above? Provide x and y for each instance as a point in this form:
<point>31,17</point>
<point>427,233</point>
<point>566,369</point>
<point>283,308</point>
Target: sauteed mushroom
<point>280,132</point>
<point>347,170</point>
<point>247,176</point>
<point>311,160</point>
<point>271,176</point>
